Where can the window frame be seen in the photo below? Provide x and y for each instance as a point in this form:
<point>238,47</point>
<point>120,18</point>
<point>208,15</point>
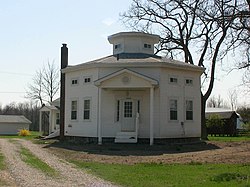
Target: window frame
<point>173,77</point>
<point>74,79</point>
<point>87,77</point>
<point>75,110</point>
<point>189,81</point>
<point>147,46</point>
<point>88,109</point>
<point>171,111</point>
<point>57,118</point>
<point>189,111</point>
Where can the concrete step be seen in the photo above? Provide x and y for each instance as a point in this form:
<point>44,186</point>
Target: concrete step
<point>126,137</point>
<point>125,140</point>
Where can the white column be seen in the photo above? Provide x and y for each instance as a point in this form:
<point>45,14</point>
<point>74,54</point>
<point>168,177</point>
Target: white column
<point>99,128</point>
<point>151,116</point>
<point>40,121</point>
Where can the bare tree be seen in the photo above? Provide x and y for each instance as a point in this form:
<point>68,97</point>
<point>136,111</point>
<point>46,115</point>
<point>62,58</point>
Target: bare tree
<point>232,95</point>
<point>34,90</point>
<point>216,102</point>
<point>45,84</point>
<point>50,81</point>
<point>198,32</point>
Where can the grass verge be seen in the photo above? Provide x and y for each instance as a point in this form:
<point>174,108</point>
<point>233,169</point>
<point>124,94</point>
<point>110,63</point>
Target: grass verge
<point>33,135</point>
<point>157,175</point>
<point>2,165</point>
<point>35,162</point>
<point>228,138</point>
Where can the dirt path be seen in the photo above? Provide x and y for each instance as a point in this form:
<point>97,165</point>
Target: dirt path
<point>22,174</point>
<point>211,152</point>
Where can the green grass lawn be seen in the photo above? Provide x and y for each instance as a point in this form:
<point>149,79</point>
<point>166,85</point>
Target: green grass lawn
<point>33,134</point>
<point>228,138</point>
<point>2,165</point>
<point>35,162</point>
<point>148,175</point>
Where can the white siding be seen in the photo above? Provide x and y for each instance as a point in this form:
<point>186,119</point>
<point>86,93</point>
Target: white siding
<point>164,128</point>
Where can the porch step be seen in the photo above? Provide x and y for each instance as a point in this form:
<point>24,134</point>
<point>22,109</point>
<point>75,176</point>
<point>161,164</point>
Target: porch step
<point>126,137</point>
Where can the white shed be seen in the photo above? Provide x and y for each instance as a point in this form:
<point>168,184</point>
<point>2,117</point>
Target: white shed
<point>11,124</point>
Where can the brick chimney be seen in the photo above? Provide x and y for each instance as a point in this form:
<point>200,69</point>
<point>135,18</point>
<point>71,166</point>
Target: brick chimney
<point>64,64</point>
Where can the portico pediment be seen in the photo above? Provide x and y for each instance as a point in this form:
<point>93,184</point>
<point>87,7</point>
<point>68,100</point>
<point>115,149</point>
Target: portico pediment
<point>126,78</point>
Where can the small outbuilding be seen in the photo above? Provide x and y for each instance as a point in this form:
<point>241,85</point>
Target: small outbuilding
<point>230,119</point>
<point>11,124</point>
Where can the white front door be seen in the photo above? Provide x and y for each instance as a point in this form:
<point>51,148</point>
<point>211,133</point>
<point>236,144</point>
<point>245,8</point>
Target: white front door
<point>128,115</point>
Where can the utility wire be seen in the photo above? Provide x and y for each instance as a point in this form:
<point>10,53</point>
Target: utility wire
<point>15,73</point>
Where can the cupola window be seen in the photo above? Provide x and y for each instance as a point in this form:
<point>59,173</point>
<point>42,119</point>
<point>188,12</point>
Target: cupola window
<point>117,46</point>
<point>148,46</point>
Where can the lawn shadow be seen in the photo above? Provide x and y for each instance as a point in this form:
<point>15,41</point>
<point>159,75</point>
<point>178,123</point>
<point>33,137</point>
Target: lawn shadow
<point>113,149</point>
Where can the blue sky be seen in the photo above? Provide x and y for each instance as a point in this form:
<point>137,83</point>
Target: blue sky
<point>32,33</point>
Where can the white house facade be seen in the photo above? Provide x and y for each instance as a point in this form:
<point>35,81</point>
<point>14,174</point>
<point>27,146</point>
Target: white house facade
<point>133,94</point>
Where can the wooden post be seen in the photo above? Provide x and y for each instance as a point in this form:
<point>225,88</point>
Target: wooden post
<point>151,115</point>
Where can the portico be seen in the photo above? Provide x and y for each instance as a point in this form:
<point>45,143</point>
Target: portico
<point>124,84</point>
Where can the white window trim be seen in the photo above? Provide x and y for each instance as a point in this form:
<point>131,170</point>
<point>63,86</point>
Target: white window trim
<point>148,46</point>
<point>189,78</point>
<point>90,109</point>
<point>85,83</point>
<point>188,99</point>
<point>75,78</point>
<point>77,109</point>
<point>175,77</point>
<point>178,112</point>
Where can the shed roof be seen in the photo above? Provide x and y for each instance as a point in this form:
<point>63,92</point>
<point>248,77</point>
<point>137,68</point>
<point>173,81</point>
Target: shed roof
<point>14,119</point>
<point>222,112</point>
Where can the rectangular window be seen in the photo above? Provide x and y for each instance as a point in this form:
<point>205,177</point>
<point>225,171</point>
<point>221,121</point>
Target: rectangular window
<point>117,46</point>
<point>73,110</point>
<point>86,110</point>
<point>189,110</point>
<point>147,46</point>
<point>128,109</point>
<point>57,118</point>
<point>138,106</point>
<point>173,80</point>
<point>87,80</point>
<point>173,109</point>
<point>118,110</point>
<point>189,82</point>
<point>74,81</point>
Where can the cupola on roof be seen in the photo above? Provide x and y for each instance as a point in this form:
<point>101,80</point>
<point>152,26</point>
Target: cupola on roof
<point>133,42</point>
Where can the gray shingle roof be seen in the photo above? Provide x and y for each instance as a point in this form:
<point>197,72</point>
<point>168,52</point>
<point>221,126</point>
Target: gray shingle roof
<point>136,59</point>
<point>222,112</point>
<point>13,119</point>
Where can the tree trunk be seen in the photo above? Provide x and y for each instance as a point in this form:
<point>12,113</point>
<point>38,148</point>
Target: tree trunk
<point>203,118</point>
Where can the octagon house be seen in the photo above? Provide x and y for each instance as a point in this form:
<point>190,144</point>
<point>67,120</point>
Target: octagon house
<point>132,95</point>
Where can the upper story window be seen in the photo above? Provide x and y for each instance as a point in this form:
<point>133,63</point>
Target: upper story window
<point>74,81</point>
<point>173,80</point>
<point>148,46</point>
<point>86,80</point>
<point>189,82</point>
<point>118,46</point>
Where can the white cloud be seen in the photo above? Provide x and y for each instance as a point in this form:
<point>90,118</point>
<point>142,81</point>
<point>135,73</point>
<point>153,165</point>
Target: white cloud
<point>108,21</point>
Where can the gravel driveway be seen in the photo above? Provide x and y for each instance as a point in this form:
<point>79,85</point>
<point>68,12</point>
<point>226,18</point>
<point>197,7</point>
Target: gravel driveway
<point>22,174</point>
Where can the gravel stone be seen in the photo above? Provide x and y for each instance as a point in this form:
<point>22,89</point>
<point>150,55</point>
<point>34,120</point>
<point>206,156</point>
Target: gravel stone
<point>25,175</point>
